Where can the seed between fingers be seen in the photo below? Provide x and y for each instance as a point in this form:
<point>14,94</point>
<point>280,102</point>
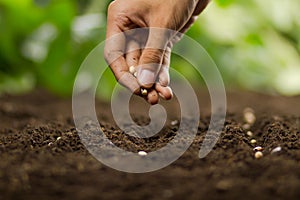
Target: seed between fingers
<point>132,70</point>
<point>144,92</point>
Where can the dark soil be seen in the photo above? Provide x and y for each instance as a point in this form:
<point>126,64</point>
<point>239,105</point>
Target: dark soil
<point>36,165</point>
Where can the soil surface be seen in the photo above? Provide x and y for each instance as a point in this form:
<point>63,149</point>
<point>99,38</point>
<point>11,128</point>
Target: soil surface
<point>42,156</point>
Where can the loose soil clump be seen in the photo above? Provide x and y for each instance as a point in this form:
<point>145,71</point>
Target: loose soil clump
<point>42,156</point>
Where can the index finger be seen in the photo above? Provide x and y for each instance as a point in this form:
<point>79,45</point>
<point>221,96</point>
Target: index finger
<point>115,46</point>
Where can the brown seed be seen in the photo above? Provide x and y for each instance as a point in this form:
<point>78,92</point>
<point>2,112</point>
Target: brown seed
<point>258,148</point>
<point>174,123</point>
<point>277,149</point>
<point>249,133</point>
<point>258,155</point>
<point>253,141</point>
<point>249,115</point>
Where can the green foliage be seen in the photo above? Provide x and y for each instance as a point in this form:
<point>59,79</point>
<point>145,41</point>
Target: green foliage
<point>41,43</point>
<point>255,43</point>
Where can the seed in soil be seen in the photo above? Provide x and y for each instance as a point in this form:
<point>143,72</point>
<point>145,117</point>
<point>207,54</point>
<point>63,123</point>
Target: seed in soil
<point>253,141</point>
<point>142,153</point>
<point>132,70</point>
<point>144,92</point>
<point>174,123</point>
<point>249,116</point>
<point>249,133</point>
<point>258,148</point>
<point>258,155</point>
<point>58,138</point>
<point>277,149</point>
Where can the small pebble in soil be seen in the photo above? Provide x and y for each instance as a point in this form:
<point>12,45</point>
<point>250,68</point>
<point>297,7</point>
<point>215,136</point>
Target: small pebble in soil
<point>249,133</point>
<point>258,155</point>
<point>144,92</point>
<point>132,70</point>
<point>277,149</point>
<point>69,133</point>
<point>258,148</point>
<point>50,144</point>
<point>249,115</point>
<point>142,153</point>
<point>174,122</point>
<point>253,141</point>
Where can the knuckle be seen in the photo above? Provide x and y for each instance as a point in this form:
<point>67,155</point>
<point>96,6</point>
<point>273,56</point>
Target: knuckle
<point>122,19</point>
<point>111,55</point>
<point>152,56</point>
<point>118,13</point>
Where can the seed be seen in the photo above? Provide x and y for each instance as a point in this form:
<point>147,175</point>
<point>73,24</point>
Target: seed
<point>142,153</point>
<point>175,122</point>
<point>258,148</point>
<point>249,116</point>
<point>69,133</point>
<point>144,92</point>
<point>258,155</point>
<point>249,133</point>
<point>253,141</point>
<point>58,138</point>
<point>277,149</point>
<point>132,70</point>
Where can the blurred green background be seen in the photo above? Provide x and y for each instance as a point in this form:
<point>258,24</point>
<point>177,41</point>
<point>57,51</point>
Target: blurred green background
<point>255,43</point>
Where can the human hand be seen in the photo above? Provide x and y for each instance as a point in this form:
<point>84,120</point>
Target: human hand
<point>149,51</point>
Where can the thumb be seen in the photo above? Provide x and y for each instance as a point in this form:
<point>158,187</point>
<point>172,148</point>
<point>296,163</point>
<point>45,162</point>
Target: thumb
<point>152,57</point>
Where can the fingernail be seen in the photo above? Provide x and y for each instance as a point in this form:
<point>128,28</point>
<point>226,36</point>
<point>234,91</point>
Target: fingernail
<point>146,77</point>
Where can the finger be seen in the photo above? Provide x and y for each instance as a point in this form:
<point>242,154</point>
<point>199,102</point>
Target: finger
<point>152,97</point>
<point>133,53</point>
<point>114,52</point>
<point>165,92</point>
<point>124,77</point>
<point>189,24</point>
<point>152,57</point>
<point>200,6</point>
<point>164,77</point>
<point>198,9</point>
